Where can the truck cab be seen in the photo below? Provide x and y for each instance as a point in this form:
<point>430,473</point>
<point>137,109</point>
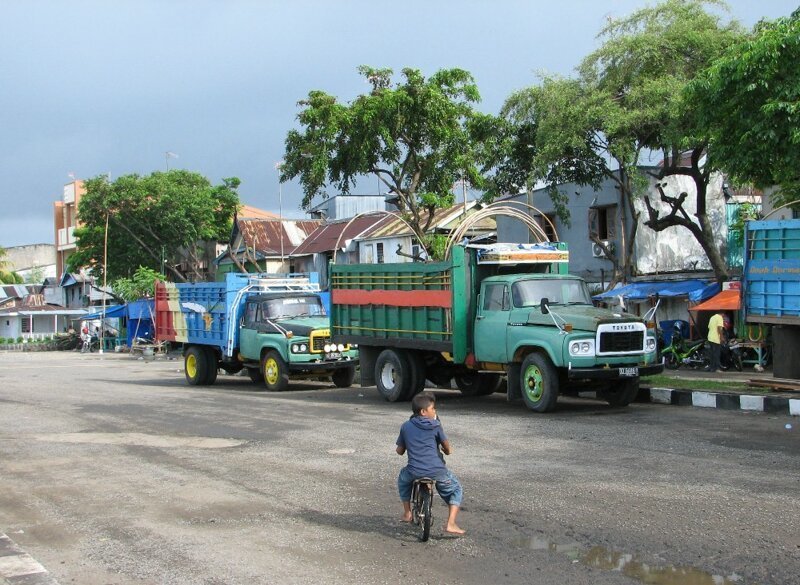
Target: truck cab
<point>552,317</point>
<point>288,335</point>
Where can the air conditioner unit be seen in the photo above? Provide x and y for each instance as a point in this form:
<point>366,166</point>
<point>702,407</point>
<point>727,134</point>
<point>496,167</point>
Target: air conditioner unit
<point>597,249</point>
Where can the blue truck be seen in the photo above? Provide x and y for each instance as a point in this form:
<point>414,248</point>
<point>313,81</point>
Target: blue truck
<point>771,288</point>
<point>274,326</point>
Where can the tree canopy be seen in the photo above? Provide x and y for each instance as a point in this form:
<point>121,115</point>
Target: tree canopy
<point>8,276</point>
<point>140,285</point>
<point>153,220</point>
<point>628,99</point>
<point>414,136</point>
<point>749,101</point>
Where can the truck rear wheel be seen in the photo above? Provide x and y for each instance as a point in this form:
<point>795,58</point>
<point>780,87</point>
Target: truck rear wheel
<point>392,374</point>
<point>343,377</point>
<point>211,365</point>
<point>621,393</point>
<point>195,364</point>
<point>275,371</point>
<point>475,384</point>
<point>416,375</point>
<point>539,383</point>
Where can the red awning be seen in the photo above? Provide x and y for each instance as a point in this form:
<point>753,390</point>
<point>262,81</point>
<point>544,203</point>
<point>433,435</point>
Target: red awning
<point>727,300</point>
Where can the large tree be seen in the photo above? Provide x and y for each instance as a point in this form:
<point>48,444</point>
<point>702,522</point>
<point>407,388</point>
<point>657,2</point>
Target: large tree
<point>414,136</point>
<point>628,99</point>
<point>154,220</point>
<point>749,100</point>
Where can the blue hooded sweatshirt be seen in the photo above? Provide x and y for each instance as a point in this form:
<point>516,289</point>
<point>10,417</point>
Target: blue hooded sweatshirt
<point>421,437</point>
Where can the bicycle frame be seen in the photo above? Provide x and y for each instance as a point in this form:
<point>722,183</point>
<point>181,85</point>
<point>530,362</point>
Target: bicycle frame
<point>421,505</point>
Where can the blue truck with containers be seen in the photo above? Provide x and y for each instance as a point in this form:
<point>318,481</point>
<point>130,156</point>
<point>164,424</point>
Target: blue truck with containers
<point>276,327</point>
<point>771,288</point>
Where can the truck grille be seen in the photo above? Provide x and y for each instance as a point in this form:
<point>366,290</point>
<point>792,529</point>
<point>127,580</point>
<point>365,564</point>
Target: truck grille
<point>318,343</point>
<point>623,341</point>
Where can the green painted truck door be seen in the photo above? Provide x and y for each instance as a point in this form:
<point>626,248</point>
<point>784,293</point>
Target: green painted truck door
<point>491,323</point>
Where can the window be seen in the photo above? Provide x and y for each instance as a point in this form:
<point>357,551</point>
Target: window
<point>496,298</point>
<point>602,222</point>
<point>26,323</point>
<point>251,313</point>
<point>546,222</point>
<point>379,250</point>
<point>415,249</point>
<point>368,257</point>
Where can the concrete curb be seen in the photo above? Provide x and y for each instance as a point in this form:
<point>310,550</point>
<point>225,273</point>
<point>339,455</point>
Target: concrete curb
<point>723,400</point>
<point>19,568</point>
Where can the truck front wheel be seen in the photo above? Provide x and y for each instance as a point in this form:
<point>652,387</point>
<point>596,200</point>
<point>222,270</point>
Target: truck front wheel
<point>392,375</point>
<point>275,371</point>
<point>343,377</point>
<point>196,366</point>
<point>539,383</point>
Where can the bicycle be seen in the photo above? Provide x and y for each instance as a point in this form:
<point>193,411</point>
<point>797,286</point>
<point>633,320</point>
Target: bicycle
<point>422,505</point>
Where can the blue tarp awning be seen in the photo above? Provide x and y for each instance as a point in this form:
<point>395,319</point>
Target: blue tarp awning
<point>142,309</point>
<point>695,290</point>
<point>112,312</point>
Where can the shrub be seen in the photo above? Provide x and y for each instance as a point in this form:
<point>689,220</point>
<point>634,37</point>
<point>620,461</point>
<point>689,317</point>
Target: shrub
<point>19,339</point>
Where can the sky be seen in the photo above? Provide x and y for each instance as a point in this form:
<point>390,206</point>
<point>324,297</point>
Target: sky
<point>97,87</point>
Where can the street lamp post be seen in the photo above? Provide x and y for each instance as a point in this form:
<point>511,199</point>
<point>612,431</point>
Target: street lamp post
<point>278,166</point>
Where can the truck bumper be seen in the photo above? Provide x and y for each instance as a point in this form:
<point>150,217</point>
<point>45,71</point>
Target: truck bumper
<point>615,373</point>
<point>321,367</point>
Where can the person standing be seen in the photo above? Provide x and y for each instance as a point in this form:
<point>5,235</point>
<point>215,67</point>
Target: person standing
<point>715,333</point>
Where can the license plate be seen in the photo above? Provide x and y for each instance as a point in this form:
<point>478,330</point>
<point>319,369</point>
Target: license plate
<point>629,372</point>
<point>334,355</point>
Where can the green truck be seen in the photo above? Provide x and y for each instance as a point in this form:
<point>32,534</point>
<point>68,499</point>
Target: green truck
<point>487,314</point>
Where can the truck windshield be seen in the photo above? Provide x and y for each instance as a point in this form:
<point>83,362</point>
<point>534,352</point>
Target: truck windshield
<point>292,307</point>
<point>529,293</point>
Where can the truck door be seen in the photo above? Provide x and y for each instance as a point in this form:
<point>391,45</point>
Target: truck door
<point>248,331</point>
<point>491,323</point>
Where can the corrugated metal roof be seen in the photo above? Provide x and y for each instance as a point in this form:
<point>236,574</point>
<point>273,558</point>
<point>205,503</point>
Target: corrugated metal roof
<point>324,238</point>
<point>265,235</point>
<point>442,219</point>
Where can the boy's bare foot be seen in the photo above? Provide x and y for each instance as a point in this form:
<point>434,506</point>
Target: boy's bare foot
<point>453,529</point>
<point>406,517</point>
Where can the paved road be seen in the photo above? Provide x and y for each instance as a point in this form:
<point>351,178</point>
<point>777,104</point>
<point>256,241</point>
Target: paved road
<point>112,470</point>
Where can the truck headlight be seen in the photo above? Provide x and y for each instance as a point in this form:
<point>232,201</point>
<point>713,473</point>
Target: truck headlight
<point>299,348</point>
<point>328,348</point>
<point>581,347</point>
<point>650,344</point>
<point>340,347</point>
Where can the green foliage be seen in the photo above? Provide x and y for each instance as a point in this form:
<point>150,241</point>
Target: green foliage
<point>19,339</point>
<point>436,245</point>
<point>10,277</point>
<point>415,136</point>
<point>36,275</point>
<point>749,102</point>
<point>151,219</point>
<point>140,285</point>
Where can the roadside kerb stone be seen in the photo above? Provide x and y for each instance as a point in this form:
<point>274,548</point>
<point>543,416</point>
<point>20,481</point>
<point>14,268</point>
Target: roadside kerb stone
<point>721,400</point>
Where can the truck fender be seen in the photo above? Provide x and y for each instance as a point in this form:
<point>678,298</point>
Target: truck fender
<point>521,351</point>
<point>274,347</point>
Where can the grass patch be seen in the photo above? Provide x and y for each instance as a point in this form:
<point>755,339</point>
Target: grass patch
<point>662,381</point>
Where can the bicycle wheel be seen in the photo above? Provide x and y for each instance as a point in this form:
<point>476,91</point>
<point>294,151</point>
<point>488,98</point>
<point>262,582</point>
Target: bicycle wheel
<point>426,517</point>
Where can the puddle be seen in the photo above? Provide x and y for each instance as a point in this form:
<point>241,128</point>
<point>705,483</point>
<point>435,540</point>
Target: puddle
<point>140,440</point>
<point>628,564</point>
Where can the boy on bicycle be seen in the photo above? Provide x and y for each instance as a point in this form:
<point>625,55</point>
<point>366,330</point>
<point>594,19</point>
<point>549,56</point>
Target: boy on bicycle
<point>420,437</point>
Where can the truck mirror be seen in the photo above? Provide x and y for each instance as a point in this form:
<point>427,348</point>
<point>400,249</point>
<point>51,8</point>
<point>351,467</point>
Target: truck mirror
<point>545,306</point>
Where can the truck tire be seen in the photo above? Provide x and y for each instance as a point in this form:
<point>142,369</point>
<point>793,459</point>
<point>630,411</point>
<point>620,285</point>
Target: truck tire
<point>393,374</point>
<point>475,384</point>
<point>417,376</point>
<point>621,393</point>
<point>195,365</point>
<point>539,383</point>
<point>343,377</point>
<point>212,366</point>
<point>275,372</point>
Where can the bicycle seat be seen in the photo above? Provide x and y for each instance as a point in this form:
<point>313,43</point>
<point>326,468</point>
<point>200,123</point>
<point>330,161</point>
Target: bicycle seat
<point>424,480</point>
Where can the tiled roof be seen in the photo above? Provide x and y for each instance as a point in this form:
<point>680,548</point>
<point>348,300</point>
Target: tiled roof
<point>265,235</point>
<point>250,212</point>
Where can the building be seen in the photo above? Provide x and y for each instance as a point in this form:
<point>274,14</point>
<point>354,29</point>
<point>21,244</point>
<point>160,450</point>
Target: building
<point>65,220</point>
<point>33,262</point>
